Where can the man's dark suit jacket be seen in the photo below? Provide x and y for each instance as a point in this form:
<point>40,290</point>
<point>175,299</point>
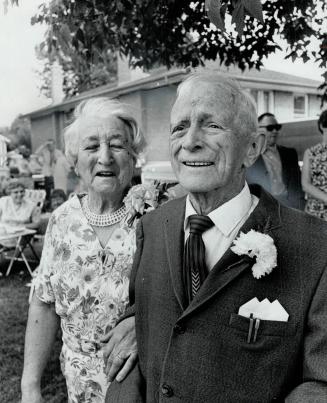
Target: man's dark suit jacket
<point>199,353</point>
<point>258,174</point>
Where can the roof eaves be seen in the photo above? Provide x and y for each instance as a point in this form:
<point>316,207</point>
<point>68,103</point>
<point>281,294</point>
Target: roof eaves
<point>160,80</point>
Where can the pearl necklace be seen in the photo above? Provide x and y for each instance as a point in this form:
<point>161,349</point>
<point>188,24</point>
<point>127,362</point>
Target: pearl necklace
<point>102,220</point>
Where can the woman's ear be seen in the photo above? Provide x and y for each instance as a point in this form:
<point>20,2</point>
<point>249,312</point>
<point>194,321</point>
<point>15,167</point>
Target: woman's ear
<point>257,146</point>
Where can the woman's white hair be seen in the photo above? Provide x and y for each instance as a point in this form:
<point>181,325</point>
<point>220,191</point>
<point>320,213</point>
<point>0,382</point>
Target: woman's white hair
<point>102,108</point>
<point>239,107</point>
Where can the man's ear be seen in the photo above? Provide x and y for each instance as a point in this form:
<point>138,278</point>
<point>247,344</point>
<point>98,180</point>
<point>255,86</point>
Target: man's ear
<point>257,146</point>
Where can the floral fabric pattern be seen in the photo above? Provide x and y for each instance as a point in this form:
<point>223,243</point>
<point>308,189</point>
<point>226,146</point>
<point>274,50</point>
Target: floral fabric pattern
<point>89,286</point>
<point>318,170</point>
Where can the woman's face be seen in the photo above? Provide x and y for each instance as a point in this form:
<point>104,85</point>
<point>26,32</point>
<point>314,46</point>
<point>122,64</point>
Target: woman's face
<point>56,202</point>
<point>17,195</point>
<point>104,160</point>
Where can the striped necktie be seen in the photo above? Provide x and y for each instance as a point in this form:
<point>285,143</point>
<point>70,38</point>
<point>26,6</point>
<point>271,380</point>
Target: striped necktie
<point>194,266</point>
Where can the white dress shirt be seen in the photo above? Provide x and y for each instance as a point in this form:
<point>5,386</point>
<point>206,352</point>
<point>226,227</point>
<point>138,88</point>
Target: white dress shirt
<point>227,220</point>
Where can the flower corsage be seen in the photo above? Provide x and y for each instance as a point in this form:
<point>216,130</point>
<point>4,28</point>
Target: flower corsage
<point>260,247</point>
<point>143,198</point>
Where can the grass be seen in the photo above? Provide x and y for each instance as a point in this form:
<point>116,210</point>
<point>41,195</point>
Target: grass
<point>13,318</point>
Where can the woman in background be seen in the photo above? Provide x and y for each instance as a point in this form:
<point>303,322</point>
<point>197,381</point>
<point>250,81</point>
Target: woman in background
<point>314,173</point>
<point>15,209</point>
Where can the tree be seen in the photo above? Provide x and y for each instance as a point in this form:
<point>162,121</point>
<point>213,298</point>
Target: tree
<point>20,130</point>
<point>181,32</point>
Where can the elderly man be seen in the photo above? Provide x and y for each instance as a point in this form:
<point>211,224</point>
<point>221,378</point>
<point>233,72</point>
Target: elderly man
<point>228,286</point>
<point>277,169</point>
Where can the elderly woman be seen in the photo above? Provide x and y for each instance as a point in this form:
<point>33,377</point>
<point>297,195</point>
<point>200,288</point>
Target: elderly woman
<point>87,257</point>
<point>314,173</point>
<point>15,209</point>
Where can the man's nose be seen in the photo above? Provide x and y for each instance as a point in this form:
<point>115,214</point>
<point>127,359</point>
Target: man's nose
<point>105,154</point>
<point>192,140</point>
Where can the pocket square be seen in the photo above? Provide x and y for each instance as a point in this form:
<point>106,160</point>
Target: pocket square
<point>264,310</point>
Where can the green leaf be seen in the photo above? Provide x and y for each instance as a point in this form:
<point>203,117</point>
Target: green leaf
<point>238,18</point>
<point>305,57</point>
<point>213,8</point>
<point>254,8</point>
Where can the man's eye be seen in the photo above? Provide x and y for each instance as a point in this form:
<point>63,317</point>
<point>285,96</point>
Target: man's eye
<point>215,126</point>
<point>177,129</point>
<point>91,147</point>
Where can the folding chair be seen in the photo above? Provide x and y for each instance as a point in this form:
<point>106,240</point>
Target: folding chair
<point>22,240</point>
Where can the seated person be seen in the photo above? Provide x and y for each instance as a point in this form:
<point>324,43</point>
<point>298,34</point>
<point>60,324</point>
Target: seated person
<point>57,198</point>
<point>15,210</point>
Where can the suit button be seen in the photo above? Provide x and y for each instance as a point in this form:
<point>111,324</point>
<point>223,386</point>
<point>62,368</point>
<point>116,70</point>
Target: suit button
<point>167,390</point>
<point>180,329</point>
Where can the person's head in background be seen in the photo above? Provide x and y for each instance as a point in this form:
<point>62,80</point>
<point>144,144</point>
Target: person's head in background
<point>24,151</point>
<point>269,124</point>
<point>57,198</point>
<point>322,124</point>
<point>51,145</point>
<point>16,190</point>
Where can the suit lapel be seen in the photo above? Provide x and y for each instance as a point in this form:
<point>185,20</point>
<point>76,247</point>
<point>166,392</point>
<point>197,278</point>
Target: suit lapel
<point>264,218</point>
<point>174,240</point>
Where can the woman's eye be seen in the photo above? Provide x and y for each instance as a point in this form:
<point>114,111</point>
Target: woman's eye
<point>117,146</point>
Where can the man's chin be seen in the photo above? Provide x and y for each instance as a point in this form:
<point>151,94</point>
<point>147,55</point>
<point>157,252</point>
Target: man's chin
<point>196,187</point>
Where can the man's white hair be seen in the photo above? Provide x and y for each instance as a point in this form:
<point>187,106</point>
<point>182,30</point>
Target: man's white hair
<point>240,109</point>
<point>101,108</point>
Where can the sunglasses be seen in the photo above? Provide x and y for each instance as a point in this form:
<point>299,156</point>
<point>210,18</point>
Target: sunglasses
<point>270,128</point>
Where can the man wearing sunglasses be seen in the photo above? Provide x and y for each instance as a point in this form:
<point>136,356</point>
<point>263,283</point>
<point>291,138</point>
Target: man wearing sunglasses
<point>277,169</point>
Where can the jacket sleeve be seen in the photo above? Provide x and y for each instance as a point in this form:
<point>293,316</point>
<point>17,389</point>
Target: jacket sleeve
<point>131,390</point>
<point>314,385</point>
<point>130,311</point>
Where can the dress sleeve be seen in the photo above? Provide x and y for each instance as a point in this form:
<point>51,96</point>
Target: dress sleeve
<point>47,268</point>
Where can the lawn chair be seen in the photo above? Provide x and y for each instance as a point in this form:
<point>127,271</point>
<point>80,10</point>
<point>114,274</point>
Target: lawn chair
<point>37,196</point>
<point>23,239</point>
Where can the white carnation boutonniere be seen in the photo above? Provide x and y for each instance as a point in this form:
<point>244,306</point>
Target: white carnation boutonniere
<point>257,246</point>
<point>140,200</point>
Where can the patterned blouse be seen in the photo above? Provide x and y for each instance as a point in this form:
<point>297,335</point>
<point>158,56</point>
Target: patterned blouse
<point>89,286</point>
<point>318,172</point>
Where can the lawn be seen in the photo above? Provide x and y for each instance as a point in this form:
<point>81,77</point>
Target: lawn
<point>13,317</point>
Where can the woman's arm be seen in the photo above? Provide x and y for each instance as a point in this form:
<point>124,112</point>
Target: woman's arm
<point>42,326</point>
<point>306,180</point>
<point>41,148</point>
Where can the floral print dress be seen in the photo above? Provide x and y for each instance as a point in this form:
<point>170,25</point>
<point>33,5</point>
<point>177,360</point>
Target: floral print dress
<point>318,170</point>
<point>89,286</point>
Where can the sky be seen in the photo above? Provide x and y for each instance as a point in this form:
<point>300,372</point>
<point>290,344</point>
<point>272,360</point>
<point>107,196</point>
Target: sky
<point>19,84</point>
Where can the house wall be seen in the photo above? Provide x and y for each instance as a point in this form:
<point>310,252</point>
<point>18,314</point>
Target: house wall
<point>157,105</point>
<point>152,108</point>
<point>314,105</point>
<point>283,106</point>
<point>43,129</point>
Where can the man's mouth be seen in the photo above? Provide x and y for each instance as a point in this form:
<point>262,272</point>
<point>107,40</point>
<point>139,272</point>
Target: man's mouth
<point>197,164</point>
<point>105,174</point>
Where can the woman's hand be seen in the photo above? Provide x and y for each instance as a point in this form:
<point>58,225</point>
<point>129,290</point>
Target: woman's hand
<point>120,350</point>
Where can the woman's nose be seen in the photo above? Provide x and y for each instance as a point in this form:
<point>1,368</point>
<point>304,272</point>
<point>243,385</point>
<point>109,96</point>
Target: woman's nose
<point>105,154</point>
<point>192,139</point>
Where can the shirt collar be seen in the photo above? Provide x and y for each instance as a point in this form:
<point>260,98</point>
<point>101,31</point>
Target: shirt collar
<point>227,216</point>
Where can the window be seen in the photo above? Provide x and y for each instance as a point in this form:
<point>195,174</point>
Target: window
<point>299,104</point>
